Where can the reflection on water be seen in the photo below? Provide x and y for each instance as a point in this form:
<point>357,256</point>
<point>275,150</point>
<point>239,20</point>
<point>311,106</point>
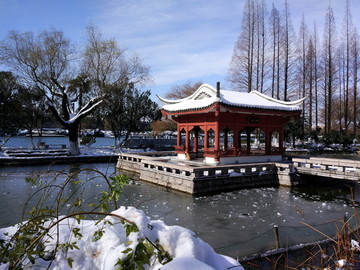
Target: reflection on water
<point>236,223</point>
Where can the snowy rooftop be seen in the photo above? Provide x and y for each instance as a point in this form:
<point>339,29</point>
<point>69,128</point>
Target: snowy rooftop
<point>206,96</point>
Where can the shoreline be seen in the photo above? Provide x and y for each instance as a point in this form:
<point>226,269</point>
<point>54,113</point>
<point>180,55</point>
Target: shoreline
<point>17,161</point>
<point>28,156</point>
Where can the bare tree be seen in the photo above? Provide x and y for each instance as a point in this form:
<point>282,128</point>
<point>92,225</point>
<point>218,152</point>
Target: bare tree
<point>183,90</point>
<point>242,62</point>
<point>260,45</point>
<point>355,61</point>
<point>48,62</point>
<point>327,72</point>
<point>329,62</point>
<point>248,63</point>
<point>275,31</point>
<point>288,40</point>
<point>340,77</point>
<point>303,64</point>
<point>264,61</point>
<point>108,64</point>
<point>310,80</point>
<point>316,76</point>
<point>346,41</point>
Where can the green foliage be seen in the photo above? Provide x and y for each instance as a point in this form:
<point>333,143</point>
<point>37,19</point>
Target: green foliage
<point>68,246</point>
<point>10,102</point>
<point>32,181</point>
<point>336,137</point>
<point>162,256</point>
<point>25,243</point>
<point>70,262</point>
<point>116,185</point>
<point>130,228</point>
<point>76,232</point>
<point>28,102</point>
<point>314,134</point>
<point>294,129</point>
<point>143,252</point>
<point>129,109</point>
<point>97,235</point>
<point>136,259</point>
<point>142,255</point>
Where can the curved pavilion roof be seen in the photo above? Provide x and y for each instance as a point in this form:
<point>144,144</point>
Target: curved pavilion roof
<point>206,96</point>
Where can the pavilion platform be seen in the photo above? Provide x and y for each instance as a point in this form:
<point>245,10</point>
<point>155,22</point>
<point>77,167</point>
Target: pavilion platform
<point>196,177</point>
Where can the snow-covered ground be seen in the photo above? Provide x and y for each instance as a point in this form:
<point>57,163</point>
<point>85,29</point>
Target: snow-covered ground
<point>187,251</point>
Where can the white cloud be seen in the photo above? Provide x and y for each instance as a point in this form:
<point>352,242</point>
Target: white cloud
<point>180,40</point>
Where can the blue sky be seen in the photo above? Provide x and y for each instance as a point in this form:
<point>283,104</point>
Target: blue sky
<point>181,40</point>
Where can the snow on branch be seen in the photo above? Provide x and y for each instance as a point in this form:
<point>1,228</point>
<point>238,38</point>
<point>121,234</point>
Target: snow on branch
<point>84,111</point>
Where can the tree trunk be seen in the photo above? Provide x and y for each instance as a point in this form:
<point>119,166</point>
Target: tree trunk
<point>316,76</point>
<point>74,148</point>
<point>347,65</point>
<point>355,80</point>
<point>273,67</point>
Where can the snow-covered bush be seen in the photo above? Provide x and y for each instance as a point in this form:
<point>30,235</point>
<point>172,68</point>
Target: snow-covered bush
<point>125,239</point>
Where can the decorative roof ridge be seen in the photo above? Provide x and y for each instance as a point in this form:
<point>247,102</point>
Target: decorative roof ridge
<point>289,103</point>
<point>227,105</point>
<point>209,106</point>
<point>174,101</point>
<point>257,107</point>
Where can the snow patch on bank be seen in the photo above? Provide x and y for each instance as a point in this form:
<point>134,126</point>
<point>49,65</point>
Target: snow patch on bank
<point>187,251</point>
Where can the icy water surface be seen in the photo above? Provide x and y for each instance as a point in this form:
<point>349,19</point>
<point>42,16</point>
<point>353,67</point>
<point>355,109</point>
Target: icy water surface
<point>236,223</point>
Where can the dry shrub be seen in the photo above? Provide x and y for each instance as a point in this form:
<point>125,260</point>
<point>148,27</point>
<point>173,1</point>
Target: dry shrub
<point>338,252</point>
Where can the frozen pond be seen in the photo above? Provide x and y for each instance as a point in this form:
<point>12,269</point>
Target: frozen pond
<point>236,223</point>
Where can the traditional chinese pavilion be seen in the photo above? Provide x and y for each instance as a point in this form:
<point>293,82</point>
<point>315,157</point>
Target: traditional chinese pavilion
<point>221,126</point>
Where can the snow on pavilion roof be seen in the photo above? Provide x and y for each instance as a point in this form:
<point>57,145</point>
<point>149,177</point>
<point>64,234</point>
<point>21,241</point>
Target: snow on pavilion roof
<point>206,96</point>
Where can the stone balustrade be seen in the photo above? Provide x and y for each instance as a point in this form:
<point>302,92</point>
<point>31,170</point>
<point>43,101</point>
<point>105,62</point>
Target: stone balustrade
<point>328,167</point>
<point>196,177</point>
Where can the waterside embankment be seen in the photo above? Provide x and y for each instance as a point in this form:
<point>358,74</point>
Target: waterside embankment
<point>28,156</point>
<point>195,177</point>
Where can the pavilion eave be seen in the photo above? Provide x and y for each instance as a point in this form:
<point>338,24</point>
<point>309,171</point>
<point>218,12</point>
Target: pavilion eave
<point>233,108</point>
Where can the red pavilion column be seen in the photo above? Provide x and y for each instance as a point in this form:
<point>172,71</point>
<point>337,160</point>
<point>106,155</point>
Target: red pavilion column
<point>281,140</point>
<point>178,138</point>
<point>217,142</point>
<point>196,142</point>
<point>187,140</point>
<point>267,142</point>
<point>206,139</point>
<point>248,144</point>
<point>226,140</point>
<point>236,139</point>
